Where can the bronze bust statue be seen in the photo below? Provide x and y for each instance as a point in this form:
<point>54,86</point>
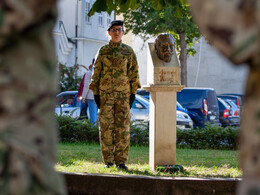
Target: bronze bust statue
<point>164,46</point>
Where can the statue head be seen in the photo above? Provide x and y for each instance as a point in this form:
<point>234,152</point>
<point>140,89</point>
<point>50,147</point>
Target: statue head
<point>164,46</point>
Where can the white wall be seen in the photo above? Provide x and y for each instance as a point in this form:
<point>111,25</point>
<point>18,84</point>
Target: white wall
<point>209,68</point>
<point>140,49</point>
<point>66,13</point>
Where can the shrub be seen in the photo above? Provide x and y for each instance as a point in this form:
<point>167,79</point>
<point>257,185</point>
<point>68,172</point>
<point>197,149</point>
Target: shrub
<point>68,77</point>
<point>209,137</point>
<point>73,130</point>
<point>139,134</point>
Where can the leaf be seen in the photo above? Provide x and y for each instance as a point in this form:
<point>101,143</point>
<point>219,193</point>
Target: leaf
<point>134,4</point>
<point>111,4</point>
<point>98,6</point>
<point>158,4</point>
<point>124,4</point>
<point>171,2</point>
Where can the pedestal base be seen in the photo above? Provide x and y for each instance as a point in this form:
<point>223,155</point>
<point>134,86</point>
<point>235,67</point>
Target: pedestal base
<point>162,132</point>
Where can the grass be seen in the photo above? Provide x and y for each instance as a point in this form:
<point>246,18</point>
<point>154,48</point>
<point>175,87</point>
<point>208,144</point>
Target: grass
<point>86,158</point>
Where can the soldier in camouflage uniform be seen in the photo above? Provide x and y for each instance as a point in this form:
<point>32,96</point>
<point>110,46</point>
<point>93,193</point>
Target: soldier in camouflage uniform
<point>233,28</point>
<point>114,84</point>
<point>27,90</point>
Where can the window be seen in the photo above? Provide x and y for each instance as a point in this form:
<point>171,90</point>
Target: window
<point>87,9</point>
<point>108,19</point>
<point>100,19</point>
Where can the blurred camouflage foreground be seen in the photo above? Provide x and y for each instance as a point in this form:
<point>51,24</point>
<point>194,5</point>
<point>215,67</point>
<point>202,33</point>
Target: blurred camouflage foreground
<point>233,27</point>
<point>27,90</point>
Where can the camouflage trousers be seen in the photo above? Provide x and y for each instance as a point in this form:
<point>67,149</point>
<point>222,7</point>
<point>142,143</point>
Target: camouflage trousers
<point>28,134</point>
<point>114,118</point>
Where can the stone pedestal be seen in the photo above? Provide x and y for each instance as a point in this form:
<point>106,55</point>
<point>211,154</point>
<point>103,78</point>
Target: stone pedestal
<point>164,83</point>
<point>162,132</point>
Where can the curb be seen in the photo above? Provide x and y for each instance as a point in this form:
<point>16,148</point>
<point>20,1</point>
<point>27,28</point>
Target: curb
<point>80,183</point>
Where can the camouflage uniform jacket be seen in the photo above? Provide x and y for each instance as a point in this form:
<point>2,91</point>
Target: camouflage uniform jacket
<point>115,71</point>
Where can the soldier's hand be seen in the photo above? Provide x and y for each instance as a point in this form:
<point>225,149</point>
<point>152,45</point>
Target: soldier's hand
<point>97,100</point>
<point>132,99</point>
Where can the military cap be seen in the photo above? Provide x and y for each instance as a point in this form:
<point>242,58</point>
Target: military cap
<point>115,23</point>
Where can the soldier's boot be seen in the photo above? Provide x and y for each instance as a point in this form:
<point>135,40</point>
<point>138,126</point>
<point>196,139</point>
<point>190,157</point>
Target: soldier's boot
<point>122,167</point>
<point>109,165</point>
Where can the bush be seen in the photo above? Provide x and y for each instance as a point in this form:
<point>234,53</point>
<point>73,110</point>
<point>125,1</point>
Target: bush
<point>209,137</point>
<point>73,130</point>
<point>139,134</point>
<point>68,77</point>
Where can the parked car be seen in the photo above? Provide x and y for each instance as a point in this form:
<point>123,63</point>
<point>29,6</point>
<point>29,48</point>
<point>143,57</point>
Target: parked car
<point>235,112</point>
<point>179,107</point>
<point>236,94</point>
<point>64,107</point>
<point>183,120</point>
<point>225,114</point>
<point>142,92</point>
<point>202,105</point>
<point>140,113</point>
<point>236,99</point>
<point>146,94</point>
<point>140,109</point>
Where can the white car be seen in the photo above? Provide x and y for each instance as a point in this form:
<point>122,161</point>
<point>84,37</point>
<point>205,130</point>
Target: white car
<point>140,109</point>
<point>64,106</point>
<point>68,104</point>
<point>140,112</point>
<point>184,122</point>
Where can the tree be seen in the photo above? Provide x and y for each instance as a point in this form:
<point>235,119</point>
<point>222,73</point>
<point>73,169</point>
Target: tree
<point>177,21</point>
<point>124,5</point>
<point>152,17</point>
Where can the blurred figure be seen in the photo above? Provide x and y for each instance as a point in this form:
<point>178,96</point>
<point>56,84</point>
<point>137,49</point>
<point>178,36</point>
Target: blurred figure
<point>28,84</point>
<point>84,106</point>
<point>233,28</point>
<point>70,101</point>
<point>88,97</point>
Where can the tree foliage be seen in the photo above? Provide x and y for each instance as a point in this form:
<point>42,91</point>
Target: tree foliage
<point>124,5</point>
<point>146,21</point>
<point>175,20</point>
<point>152,17</point>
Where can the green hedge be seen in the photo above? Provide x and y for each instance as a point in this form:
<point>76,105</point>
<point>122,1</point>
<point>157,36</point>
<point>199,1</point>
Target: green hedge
<point>139,134</point>
<point>72,130</point>
<point>210,137</point>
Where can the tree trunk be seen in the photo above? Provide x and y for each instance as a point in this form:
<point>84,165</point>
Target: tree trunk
<point>28,134</point>
<point>183,58</point>
<point>250,135</point>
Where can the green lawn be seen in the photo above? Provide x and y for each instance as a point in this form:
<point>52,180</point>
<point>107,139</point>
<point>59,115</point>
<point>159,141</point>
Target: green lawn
<point>86,158</point>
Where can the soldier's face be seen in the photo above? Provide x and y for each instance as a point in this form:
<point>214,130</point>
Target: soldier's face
<point>116,33</point>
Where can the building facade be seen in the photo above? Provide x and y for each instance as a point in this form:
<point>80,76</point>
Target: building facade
<point>77,36</point>
<point>207,68</point>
